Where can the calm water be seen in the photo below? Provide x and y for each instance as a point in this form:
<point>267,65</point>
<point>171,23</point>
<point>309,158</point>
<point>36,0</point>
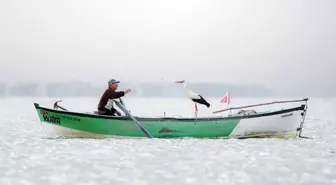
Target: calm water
<point>27,157</point>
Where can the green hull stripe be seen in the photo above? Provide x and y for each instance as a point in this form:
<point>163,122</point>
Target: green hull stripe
<point>126,127</point>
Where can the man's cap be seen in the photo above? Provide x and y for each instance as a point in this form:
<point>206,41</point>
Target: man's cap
<point>112,81</point>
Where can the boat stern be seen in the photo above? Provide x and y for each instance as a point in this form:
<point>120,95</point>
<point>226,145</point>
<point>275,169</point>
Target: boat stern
<point>279,125</point>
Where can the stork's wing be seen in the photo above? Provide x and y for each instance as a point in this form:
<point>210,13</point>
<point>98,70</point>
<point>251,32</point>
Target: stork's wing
<point>191,94</point>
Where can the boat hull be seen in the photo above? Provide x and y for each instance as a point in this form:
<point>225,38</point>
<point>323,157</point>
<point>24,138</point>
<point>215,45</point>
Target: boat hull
<point>58,123</point>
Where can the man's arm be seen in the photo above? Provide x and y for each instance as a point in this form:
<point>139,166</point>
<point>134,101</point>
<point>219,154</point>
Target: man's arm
<point>115,95</point>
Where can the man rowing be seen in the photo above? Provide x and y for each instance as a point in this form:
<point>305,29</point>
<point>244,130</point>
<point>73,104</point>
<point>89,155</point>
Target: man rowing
<point>105,106</point>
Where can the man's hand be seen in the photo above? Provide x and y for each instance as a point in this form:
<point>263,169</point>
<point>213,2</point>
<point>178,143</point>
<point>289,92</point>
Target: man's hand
<point>127,91</point>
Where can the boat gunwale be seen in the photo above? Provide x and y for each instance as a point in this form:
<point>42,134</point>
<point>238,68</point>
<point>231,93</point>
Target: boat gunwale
<point>217,118</point>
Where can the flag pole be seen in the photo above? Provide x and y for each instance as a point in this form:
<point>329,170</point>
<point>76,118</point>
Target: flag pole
<point>229,101</point>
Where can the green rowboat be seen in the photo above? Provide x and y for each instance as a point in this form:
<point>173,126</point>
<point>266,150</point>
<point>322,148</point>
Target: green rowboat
<point>281,123</point>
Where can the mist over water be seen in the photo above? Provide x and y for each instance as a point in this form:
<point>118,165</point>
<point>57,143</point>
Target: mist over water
<point>283,45</point>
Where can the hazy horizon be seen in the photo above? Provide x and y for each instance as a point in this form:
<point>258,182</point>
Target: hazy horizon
<point>286,45</point>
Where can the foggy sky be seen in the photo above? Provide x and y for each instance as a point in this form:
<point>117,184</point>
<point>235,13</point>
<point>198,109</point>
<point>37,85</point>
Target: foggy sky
<point>280,43</point>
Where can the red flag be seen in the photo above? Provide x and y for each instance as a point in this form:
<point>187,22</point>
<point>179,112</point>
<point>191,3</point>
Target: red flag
<point>226,98</point>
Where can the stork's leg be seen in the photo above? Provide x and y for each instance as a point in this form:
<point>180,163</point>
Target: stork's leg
<point>196,110</point>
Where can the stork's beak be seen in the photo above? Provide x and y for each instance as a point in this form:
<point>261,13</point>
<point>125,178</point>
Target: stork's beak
<point>180,82</point>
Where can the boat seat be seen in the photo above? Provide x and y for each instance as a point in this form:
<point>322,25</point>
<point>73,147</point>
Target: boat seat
<point>98,112</point>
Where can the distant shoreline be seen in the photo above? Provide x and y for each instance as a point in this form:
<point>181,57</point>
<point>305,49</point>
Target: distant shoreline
<point>85,89</point>
<point>155,89</point>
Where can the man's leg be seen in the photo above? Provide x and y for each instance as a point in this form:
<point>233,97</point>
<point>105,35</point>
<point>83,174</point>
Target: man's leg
<point>108,112</point>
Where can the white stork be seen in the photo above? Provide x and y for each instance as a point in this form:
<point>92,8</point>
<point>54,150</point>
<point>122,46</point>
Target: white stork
<point>196,98</point>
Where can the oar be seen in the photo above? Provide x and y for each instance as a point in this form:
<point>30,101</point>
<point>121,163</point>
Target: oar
<point>122,102</point>
<point>121,106</point>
